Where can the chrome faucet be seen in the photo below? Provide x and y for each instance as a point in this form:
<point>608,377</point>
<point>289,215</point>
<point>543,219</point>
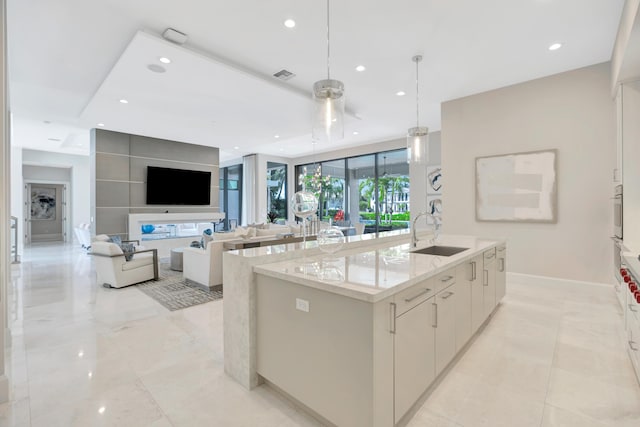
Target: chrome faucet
<point>414,237</point>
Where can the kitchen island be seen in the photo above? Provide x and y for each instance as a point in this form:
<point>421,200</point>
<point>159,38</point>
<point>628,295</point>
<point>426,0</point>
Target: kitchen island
<point>359,337</point>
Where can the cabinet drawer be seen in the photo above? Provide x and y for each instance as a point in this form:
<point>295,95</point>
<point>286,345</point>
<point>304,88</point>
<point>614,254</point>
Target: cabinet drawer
<point>444,279</point>
<point>409,298</point>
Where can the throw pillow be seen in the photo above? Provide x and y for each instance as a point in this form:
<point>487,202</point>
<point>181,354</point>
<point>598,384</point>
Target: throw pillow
<point>128,249</point>
<point>116,239</point>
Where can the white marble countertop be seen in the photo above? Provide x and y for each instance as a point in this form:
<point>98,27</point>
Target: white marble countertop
<point>374,273</point>
<point>357,240</point>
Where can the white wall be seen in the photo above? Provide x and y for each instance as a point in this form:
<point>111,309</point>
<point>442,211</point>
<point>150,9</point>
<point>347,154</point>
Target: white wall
<point>5,201</point>
<point>572,112</point>
<point>17,193</point>
<point>630,169</point>
<point>79,196</point>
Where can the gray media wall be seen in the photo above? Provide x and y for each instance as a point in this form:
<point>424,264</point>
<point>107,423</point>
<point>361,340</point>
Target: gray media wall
<point>119,173</point>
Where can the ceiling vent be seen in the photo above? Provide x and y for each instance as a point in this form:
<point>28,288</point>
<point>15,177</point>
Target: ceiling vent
<point>284,75</point>
<point>174,36</point>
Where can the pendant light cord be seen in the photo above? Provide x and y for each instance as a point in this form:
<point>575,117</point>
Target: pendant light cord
<point>328,44</point>
<point>417,95</point>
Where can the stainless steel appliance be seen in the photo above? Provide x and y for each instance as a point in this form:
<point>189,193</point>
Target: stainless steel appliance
<point>617,212</point>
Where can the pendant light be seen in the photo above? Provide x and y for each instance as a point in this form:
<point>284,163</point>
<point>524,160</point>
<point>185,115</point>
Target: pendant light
<point>328,102</point>
<point>417,137</point>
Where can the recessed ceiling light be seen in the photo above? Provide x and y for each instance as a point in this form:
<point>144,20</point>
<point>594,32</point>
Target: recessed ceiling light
<point>289,23</point>
<point>124,101</point>
<point>282,149</point>
<point>400,93</point>
<point>555,46</point>
<point>276,136</point>
<point>101,124</point>
<point>236,148</point>
<point>361,68</point>
<point>165,60</point>
<point>355,132</point>
<point>80,353</point>
<point>156,68</point>
<point>90,374</point>
<point>101,410</point>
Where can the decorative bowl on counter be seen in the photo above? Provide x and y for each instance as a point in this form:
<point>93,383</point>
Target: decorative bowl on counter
<point>147,228</point>
<point>330,240</point>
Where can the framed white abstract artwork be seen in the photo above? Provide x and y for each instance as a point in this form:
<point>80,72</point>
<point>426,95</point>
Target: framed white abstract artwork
<point>517,187</point>
<point>434,180</point>
<point>434,206</point>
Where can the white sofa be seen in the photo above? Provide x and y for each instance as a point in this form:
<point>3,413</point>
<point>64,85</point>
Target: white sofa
<point>113,270</point>
<point>204,266</point>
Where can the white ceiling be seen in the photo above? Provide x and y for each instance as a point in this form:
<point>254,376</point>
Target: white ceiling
<point>70,61</point>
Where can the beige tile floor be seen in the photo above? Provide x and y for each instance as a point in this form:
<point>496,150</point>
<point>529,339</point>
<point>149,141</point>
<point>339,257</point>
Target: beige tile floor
<point>83,355</point>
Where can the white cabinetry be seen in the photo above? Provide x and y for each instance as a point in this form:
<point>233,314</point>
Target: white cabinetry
<point>489,281</point>
<point>501,273</point>
<point>633,332</point>
<point>445,326</point>
<point>414,367</point>
<point>474,276</point>
<point>464,289</point>
<point>632,309</point>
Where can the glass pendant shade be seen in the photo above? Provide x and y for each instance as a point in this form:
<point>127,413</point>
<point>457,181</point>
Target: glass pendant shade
<point>304,204</point>
<point>418,145</point>
<point>328,111</point>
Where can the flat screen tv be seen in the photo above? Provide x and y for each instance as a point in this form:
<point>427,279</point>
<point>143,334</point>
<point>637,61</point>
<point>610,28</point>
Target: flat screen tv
<point>177,186</point>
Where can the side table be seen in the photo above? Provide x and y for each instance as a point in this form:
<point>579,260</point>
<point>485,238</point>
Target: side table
<point>176,259</point>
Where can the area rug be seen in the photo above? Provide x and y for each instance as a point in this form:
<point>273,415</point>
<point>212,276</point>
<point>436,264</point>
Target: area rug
<point>174,292</point>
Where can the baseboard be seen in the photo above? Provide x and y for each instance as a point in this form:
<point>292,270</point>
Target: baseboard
<point>532,279</point>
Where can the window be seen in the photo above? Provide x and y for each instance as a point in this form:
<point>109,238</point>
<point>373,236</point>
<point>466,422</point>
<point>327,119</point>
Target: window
<point>231,195</point>
<point>277,191</point>
<point>372,189</point>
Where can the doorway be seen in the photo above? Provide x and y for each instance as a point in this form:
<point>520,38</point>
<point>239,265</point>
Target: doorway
<point>45,212</point>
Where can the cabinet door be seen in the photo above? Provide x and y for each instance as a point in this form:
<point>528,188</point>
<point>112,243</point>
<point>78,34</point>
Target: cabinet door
<point>501,273</point>
<point>477,294</point>
<point>414,365</point>
<point>489,282</point>
<point>445,326</point>
<point>464,280</point>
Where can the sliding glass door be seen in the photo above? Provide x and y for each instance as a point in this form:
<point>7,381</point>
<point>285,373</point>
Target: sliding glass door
<point>372,189</point>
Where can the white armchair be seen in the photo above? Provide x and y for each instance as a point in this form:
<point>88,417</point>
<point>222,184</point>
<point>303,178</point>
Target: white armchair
<point>204,266</point>
<point>114,270</point>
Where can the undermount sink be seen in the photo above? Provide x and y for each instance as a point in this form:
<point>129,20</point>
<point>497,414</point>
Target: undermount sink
<point>439,250</point>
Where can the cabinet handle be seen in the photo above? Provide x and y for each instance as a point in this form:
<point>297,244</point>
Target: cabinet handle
<point>501,249</point>
<point>485,278</point>
<point>633,310</point>
<point>435,315</point>
<point>426,291</point>
<point>501,265</point>
<point>631,343</point>
<point>392,323</point>
<point>446,278</point>
<point>490,256</point>
<point>449,293</point>
<point>473,270</point>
